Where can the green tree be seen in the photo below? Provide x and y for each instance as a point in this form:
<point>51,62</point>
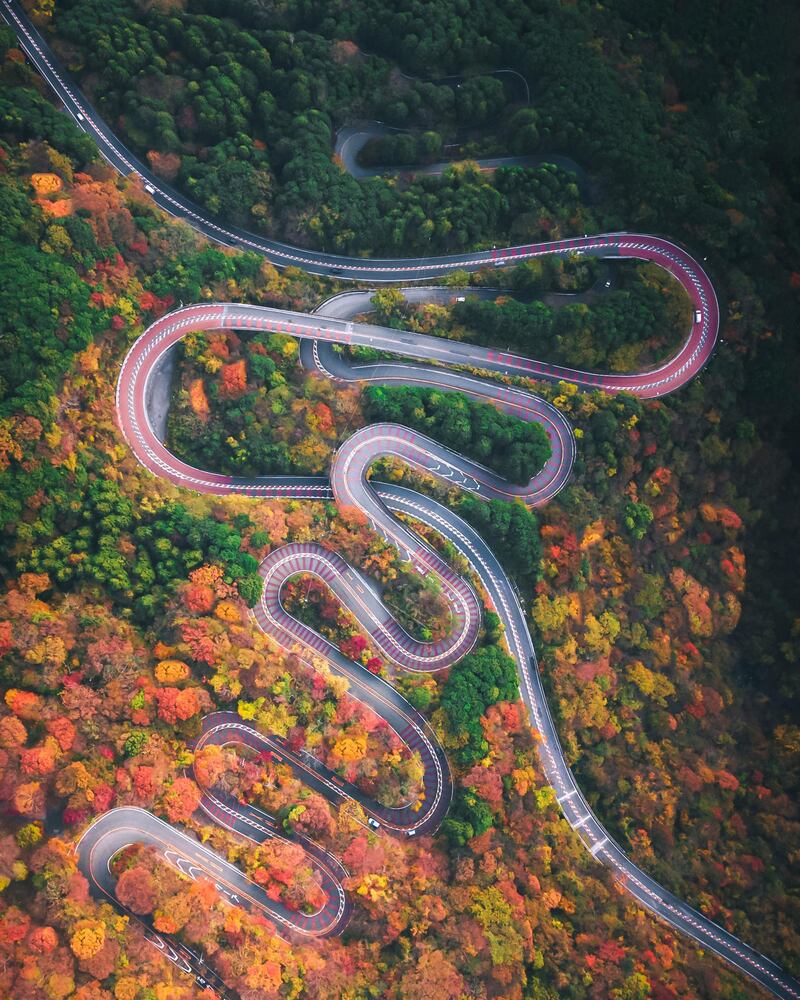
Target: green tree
<point>637,518</point>
<point>512,531</point>
<point>483,678</point>
<point>469,817</point>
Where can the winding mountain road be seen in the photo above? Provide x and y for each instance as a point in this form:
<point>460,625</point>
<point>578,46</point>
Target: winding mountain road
<point>281,254</point>
<point>348,485</point>
<point>351,139</point>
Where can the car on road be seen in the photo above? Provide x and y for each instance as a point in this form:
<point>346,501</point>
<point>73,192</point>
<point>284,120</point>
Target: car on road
<point>698,316</point>
<point>150,189</point>
<point>79,116</point>
<point>374,823</point>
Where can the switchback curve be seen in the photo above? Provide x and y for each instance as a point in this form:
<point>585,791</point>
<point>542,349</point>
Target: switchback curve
<point>349,486</point>
<point>281,254</point>
<point>666,378</point>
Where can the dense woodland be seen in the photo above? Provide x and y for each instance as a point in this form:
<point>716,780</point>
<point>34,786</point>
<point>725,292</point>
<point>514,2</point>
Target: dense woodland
<point>661,583</point>
<point>242,118</point>
<point>244,406</point>
<point>614,316</point>
<point>623,330</point>
<point>506,444</point>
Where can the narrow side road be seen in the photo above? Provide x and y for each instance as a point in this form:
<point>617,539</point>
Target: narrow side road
<point>348,485</point>
<point>351,139</point>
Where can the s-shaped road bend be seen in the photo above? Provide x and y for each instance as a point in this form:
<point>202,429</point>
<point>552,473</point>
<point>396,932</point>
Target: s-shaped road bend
<point>348,485</point>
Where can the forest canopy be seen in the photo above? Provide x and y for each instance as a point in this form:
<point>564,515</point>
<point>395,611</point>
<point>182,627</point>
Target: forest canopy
<point>661,585</point>
<point>514,448</point>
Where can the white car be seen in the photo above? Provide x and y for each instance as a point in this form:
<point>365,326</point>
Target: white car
<point>150,189</point>
<point>698,316</point>
<point>374,823</point>
<point>461,298</point>
<point>79,116</point>
<point>412,833</point>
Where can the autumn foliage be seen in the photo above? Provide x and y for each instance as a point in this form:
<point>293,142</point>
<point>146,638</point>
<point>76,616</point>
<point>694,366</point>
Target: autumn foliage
<point>124,613</point>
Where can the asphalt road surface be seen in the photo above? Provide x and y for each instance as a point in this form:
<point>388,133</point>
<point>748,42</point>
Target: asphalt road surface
<point>281,254</point>
<point>119,828</point>
<point>348,485</point>
<point>351,139</point>
<point>114,830</point>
